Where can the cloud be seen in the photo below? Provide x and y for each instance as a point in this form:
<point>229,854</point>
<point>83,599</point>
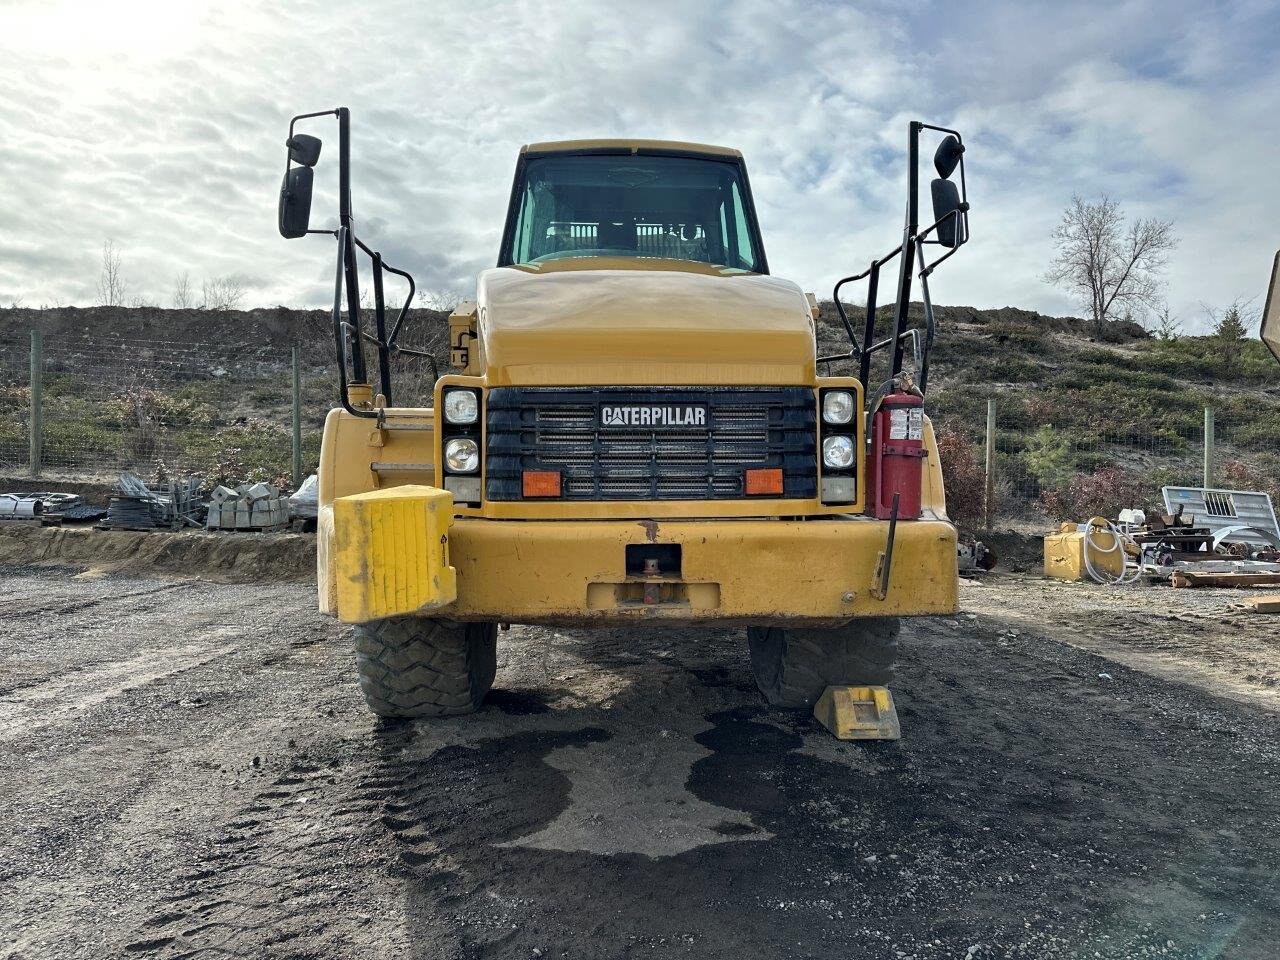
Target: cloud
<point>162,126</point>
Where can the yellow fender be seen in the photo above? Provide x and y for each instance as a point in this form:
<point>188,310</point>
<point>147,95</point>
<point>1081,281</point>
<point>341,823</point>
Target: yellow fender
<point>390,553</point>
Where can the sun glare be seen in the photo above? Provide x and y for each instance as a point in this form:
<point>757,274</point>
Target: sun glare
<point>90,31</point>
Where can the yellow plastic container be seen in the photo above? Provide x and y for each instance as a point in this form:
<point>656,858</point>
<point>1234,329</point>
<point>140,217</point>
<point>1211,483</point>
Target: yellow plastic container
<point>1064,554</point>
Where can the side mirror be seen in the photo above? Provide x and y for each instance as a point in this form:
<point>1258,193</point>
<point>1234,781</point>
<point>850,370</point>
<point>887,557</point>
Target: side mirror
<point>948,212</point>
<point>295,201</point>
<point>947,157</point>
<point>1270,331</point>
<point>304,149</point>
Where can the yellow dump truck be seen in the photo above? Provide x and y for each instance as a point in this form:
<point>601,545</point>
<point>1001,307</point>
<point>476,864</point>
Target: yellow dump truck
<point>638,429</point>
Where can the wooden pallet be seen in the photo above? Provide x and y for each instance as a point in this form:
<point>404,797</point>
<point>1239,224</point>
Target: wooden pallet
<point>1187,578</point>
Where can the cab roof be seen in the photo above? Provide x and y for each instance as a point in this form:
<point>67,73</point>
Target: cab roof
<point>629,146</point>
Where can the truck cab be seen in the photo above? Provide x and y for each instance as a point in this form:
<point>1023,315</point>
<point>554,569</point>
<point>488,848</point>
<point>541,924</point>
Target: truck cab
<point>635,429</point>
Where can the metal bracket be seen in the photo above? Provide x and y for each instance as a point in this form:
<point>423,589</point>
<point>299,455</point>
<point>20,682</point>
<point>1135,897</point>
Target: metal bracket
<point>884,562</point>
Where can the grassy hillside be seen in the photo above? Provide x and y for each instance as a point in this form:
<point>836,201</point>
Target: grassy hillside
<point>1069,405</point>
<point>210,392</point>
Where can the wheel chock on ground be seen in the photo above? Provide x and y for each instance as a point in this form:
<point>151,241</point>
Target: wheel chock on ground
<point>858,713</point>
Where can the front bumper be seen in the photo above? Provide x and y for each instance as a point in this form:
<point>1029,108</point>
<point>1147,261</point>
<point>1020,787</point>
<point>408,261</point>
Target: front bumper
<point>820,572</point>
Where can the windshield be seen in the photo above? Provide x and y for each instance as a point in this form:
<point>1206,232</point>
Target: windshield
<point>606,205</point>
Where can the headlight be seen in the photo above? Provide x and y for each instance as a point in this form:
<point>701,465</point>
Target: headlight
<point>461,455</point>
<point>837,453</point>
<point>837,406</point>
<point>461,406</point>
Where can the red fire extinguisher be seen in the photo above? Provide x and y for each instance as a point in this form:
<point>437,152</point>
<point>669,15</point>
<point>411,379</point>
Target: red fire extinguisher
<point>897,455</point>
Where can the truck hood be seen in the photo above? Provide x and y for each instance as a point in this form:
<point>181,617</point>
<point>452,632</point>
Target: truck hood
<point>666,322</point>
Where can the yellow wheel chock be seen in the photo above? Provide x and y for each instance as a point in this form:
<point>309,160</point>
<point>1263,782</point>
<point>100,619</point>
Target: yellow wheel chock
<point>858,713</point>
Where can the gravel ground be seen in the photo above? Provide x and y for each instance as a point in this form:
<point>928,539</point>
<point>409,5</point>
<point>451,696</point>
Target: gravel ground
<point>188,770</point>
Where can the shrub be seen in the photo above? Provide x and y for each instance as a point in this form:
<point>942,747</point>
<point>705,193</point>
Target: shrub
<point>1103,493</point>
<point>1048,457</point>
<point>962,473</point>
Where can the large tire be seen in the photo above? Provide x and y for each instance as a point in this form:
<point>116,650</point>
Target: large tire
<point>418,667</point>
<point>793,666</point>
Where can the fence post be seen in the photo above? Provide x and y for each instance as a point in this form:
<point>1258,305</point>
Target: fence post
<point>297,419</point>
<point>989,494</point>
<point>1208,447</point>
<point>37,402</point>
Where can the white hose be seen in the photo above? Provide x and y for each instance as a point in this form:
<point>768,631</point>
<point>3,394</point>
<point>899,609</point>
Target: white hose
<point>1129,573</point>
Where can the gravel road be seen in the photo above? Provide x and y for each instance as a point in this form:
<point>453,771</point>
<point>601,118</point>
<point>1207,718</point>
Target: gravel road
<point>187,770</point>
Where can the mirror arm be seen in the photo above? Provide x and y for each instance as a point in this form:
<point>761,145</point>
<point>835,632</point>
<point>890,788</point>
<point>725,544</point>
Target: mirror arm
<point>930,126</point>
<point>288,162</point>
<point>408,301</point>
<point>927,268</point>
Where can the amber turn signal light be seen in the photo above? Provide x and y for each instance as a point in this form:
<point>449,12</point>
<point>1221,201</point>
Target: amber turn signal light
<point>541,483</point>
<point>762,481</point>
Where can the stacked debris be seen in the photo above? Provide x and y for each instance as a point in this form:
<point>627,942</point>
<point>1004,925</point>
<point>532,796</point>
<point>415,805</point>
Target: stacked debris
<point>1239,517</point>
<point>136,507</point>
<point>126,511</point>
<point>47,507</point>
<point>1168,538</point>
<point>253,507</point>
<point>19,507</point>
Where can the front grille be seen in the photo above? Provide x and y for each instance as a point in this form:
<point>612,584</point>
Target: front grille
<point>544,428</point>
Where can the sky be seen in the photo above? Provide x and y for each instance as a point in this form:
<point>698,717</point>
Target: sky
<point>160,126</point>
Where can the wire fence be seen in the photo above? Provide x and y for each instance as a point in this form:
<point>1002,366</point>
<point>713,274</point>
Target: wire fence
<point>156,406</point>
<point>161,408</point>
<point>1041,469</point>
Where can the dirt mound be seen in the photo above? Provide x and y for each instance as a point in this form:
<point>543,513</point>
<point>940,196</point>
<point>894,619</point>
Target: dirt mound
<point>234,558</point>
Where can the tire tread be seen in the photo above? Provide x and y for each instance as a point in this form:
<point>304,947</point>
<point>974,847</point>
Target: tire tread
<point>419,667</point>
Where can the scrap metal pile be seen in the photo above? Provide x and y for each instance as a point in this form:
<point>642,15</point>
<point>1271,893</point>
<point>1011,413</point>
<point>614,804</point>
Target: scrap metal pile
<point>1203,537</point>
<point>135,506</point>
<point>47,508</point>
<point>172,505</point>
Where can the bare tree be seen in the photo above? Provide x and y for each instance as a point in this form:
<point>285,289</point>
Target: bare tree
<point>221,293</point>
<point>1113,269</point>
<point>112,286</point>
<point>445,301</point>
<point>182,294</point>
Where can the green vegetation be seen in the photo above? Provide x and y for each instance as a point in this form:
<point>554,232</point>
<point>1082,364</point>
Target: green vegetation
<point>1049,456</point>
<point>1245,362</point>
<point>1067,405</point>
<point>1070,413</point>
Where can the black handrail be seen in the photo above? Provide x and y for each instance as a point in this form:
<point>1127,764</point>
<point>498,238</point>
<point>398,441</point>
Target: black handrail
<point>913,241</point>
<point>341,330</point>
